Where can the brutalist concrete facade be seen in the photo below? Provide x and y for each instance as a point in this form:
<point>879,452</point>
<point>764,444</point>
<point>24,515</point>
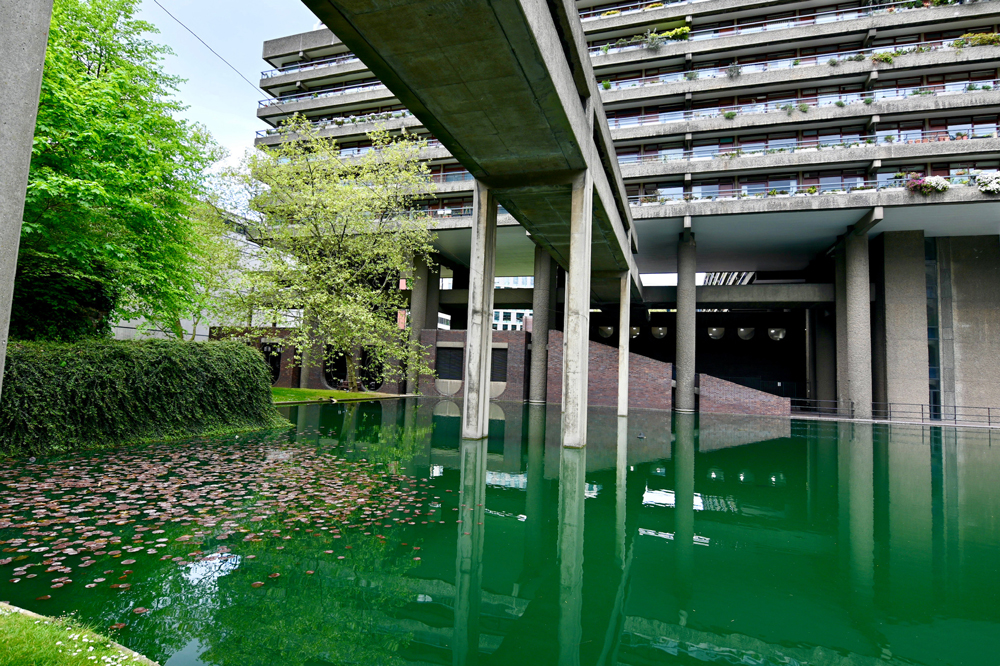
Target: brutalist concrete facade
<point>775,132</point>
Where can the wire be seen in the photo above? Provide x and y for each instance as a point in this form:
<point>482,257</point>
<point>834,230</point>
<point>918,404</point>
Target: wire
<point>252,84</point>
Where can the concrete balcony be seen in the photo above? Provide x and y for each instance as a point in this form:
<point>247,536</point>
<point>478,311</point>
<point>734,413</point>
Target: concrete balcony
<point>348,130</point>
<point>312,44</point>
<point>806,74</point>
<point>715,120</point>
<point>306,103</point>
<point>832,157</point>
<point>955,16</point>
<point>315,74</point>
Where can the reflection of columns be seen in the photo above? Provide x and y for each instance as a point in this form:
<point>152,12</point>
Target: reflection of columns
<point>417,283</point>
<point>540,326</point>
<point>624,335</point>
<point>686,312</point>
<point>683,455</point>
<point>859,348</point>
<point>621,482</point>
<point>576,354</point>
<point>572,488</point>
<point>479,337</point>
<point>857,515</point>
<point>433,297</point>
<point>469,553</point>
<point>535,491</point>
<point>25,34</point>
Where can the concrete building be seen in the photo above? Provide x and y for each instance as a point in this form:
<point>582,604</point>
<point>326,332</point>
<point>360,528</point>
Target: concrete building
<point>766,144</point>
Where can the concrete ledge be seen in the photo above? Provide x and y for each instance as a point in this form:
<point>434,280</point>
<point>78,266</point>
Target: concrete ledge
<point>314,74</point>
<point>885,109</point>
<point>828,157</point>
<point>380,95</point>
<point>806,33</point>
<point>790,203</point>
<point>303,41</point>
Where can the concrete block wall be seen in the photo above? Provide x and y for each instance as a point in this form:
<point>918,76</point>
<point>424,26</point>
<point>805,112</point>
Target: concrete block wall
<point>718,396</point>
<point>517,362</point>
<point>649,380</point>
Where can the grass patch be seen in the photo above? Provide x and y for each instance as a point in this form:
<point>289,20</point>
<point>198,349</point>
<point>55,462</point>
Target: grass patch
<point>294,394</point>
<point>26,640</point>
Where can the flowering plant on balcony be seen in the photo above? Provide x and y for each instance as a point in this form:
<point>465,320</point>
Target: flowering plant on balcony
<point>927,185</point>
<point>989,183</point>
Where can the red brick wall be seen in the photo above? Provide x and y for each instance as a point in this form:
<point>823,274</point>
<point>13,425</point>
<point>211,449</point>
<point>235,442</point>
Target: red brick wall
<point>649,381</point>
<point>718,396</point>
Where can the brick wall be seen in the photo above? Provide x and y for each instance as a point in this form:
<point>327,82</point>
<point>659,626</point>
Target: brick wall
<point>649,381</point>
<point>718,396</point>
<point>517,353</point>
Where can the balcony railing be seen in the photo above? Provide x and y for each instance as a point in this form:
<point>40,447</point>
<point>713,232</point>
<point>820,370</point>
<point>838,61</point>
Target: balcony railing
<point>816,18</point>
<point>346,121</point>
<point>330,92</point>
<point>737,70</point>
<point>885,137</point>
<point>787,190</point>
<point>451,177</point>
<point>313,64</point>
<point>802,104</point>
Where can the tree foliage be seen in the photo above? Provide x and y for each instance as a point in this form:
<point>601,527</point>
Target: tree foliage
<point>336,235</point>
<point>113,175</point>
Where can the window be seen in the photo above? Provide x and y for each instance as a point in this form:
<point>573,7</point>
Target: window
<point>498,365</point>
<point>450,362</point>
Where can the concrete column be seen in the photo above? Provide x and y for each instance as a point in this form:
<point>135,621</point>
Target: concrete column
<point>25,29</point>
<point>624,335</point>
<point>810,322</point>
<point>826,358</point>
<point>572,490</point>
<point>479,337</point>
<point>469,553</point>
<point>905,304</point>
<point>840,311</point>
<point>433,297</point>
<point>417,282</point>
<point>859,349</point>
<point>540,312</point>
<point>535,492</point>
<point>686,314</point>
<point>576,354</point>
<point>621,487</point>
<point>683,455</point>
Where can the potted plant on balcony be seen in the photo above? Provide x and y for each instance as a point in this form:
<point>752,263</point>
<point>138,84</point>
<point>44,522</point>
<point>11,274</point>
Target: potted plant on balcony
<point>928,185</point>
<point>988,183</point>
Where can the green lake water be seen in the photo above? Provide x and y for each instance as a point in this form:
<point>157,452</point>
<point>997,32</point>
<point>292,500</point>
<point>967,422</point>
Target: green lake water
<point>372,534</point>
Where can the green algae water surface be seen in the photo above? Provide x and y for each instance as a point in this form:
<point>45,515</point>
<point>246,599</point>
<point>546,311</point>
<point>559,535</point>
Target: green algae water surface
<point>372,534</point>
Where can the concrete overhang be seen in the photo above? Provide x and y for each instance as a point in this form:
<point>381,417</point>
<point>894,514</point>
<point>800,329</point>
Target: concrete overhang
<point>498,85</point>
<point>751,296</point>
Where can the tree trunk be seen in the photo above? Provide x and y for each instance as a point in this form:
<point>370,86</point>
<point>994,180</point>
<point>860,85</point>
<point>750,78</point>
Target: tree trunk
<point>352,372</point>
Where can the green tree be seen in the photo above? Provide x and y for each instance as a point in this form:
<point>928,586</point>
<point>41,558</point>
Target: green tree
<point>113,176</point>
<point>337,235</point>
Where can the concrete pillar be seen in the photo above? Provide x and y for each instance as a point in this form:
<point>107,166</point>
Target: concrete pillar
<point>479,337</point>
<point>859,348</point>
<point>856,504</point>
<point>840,309</point>
<point>572,490</point>
<point>621,487</point>
<point>576,354</point>
<point>905,306</point>
<point>826,359</point>
<point>417,282</point>
<point>686,314</point>
<point>810,322</point>
<point>469,553</point>
<point>25,29</point>
<point>540,327</point>
<point>535,492</point>
<point>433,297</point>
<point>624,335</point>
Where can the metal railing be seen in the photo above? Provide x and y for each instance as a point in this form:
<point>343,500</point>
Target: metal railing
<point>830,408</point>
<point>451,177</point>
<point>788,189</point>
<point>815,18</point>
<point>935,414</point>
<point>312,64</point>
<point>317,94</point>
<point>803,104</point>
<point>631,8</point>
<point>779,64</point>
<point>888,137</point>
<point>346,121</point>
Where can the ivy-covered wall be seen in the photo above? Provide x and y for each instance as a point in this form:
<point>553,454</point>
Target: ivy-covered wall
<point>58,397</point>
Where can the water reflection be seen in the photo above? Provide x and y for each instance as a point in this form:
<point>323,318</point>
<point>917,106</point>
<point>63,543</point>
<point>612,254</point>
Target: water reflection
<point>669,539</point>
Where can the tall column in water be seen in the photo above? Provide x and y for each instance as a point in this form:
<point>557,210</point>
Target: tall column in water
<point>537,382</point>
<point>624,335</point>
<point>479,336</point>
<point>840,321</point>
<point>683,455</point>
<point>686,312</point>
<point>577,334</point>
<point>418,312</point>
<point>572,490</point>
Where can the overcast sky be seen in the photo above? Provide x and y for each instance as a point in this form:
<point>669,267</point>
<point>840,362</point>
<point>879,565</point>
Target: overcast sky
<point>217,97</point>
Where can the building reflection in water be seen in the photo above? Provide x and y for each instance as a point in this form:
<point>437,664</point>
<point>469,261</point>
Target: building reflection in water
<point>718,539</point>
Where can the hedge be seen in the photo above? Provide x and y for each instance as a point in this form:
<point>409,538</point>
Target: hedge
<point>57,397</point>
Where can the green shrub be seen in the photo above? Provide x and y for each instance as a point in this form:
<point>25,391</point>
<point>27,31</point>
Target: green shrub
<point>729,115</point>
<point>885,58</point>
<point>58,396</point>
<point>606,85</point>
<point>977,39</point>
